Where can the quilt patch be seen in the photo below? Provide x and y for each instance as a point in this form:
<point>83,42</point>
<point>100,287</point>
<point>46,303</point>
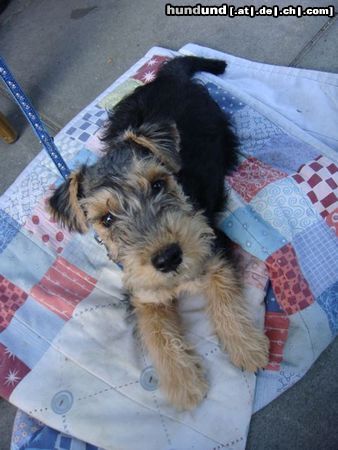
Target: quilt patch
<point>12,371</point>
<point>8,229</point>
<point>272,152</point>
<point>252,176</point>
<point>11,298</point>
<point>328,301</point>
<point>317,251</point>
<point>25,261</point>
<point>44,228</point>
<point>33,327</point>
<point>319,180</point>
<point>82,129</point>
<point>283,205</point>
<point>276,328</point>
<point>290,287</point>
<point>332,221</point>
<point>63,287</point>
<point>27,191</point>
<point>229,103</point>
<point>68,147</point>
<point>125,88</point>
<point>95,115</point>
<point>253,130</point>
<point>148,71</point>
<point>92,261</point>
<point>254,271</point>
<point>247,228</point>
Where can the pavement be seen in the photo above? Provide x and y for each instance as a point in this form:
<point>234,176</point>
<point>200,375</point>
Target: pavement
<point>64,53</point>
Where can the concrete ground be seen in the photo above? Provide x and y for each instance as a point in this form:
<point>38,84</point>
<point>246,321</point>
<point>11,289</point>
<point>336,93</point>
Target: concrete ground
<point>65,53</point>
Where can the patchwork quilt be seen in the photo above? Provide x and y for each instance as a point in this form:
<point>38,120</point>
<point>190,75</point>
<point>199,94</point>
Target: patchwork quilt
<point>68,354</point>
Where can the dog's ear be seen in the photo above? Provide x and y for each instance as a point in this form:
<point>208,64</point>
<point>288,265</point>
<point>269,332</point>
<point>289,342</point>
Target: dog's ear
<point>64,204</point>
<point>162,139</point>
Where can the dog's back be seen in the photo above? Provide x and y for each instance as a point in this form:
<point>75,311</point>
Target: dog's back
<point>208,145</point>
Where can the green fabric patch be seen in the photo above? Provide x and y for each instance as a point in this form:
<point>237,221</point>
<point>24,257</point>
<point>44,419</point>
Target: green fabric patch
<point>119,93</point>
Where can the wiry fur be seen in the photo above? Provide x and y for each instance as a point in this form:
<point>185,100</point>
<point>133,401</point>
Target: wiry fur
<point>169,147</point>
<point>162,140</point>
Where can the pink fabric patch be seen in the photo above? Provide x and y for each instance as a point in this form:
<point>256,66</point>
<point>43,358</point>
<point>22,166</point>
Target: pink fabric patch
<point>45,229</point>
<point>63,287</point>
<point>254,270</point>
<point>252,176</point>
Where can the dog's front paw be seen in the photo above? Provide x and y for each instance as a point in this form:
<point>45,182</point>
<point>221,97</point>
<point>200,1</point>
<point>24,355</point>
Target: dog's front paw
<point>251,353</point>
<point>186,388</point>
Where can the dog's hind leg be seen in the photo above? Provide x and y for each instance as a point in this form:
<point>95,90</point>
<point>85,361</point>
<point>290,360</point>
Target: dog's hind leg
<point>248,347</point>
<point>179,370</point>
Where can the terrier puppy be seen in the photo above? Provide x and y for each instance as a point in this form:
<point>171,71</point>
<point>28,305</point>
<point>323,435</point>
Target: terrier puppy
<point>153,200</point>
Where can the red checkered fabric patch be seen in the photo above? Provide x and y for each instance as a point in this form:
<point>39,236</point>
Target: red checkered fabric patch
<point>290,287</point>
<point>148,71</point>
<point>276,328</point>
<point>11,298</point>
<point>63,287</point>
<point>252,176</point>
<point>319,180</point>
<point>12,371</point>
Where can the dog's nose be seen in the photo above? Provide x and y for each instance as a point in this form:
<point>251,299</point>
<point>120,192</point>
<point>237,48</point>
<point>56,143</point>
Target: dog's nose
<point>168,258</point>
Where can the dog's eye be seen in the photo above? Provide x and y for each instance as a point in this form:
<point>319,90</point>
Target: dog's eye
<point>157,186</point>
<point>107,220</point>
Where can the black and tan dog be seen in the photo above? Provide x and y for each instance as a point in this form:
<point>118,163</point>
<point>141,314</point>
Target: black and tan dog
<point>152,199</point>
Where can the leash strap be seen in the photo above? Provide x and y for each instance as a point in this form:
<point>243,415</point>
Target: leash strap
<point>33,118</point>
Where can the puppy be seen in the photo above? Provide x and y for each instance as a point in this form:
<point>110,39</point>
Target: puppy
<point>153,200</point>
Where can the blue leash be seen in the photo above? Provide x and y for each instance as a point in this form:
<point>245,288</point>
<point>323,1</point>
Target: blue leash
<point>36,123</point>
<point>33,118</point>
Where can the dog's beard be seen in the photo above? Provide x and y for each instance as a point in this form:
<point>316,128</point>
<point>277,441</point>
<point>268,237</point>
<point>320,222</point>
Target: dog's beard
<point>189,231</point>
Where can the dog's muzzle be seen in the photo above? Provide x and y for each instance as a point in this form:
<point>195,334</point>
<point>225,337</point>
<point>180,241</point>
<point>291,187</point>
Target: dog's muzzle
<point>168,258</point>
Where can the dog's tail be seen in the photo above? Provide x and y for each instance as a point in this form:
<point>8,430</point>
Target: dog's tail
<point>184,67</point>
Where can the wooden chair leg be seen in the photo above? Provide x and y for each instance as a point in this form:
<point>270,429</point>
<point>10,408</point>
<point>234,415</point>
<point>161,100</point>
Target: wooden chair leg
<point>7,132</point>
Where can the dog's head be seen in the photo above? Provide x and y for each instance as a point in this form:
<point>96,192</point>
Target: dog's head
<point>132,198</point>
